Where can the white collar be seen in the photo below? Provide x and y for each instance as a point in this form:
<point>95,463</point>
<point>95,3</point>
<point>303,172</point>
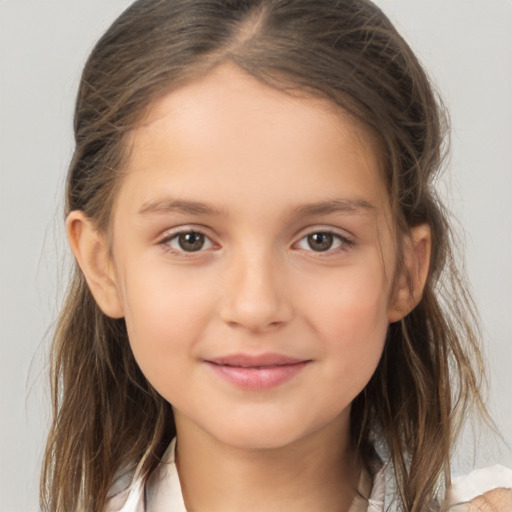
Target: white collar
<point>169,498</point>
<point>163,491</point>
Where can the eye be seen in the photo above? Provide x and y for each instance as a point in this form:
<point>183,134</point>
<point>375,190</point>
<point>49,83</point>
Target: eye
<point>188,241</point>
<point>322,241</point>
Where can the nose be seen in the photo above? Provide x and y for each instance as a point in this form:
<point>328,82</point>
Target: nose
<point>255,295</point>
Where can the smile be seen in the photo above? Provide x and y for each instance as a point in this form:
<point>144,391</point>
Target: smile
<point>257,373</point>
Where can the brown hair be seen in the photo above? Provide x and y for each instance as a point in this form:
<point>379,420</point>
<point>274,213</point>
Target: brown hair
<point>107,416</point>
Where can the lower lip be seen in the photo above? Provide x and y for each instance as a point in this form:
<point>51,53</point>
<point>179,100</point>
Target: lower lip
<point>258,379</point>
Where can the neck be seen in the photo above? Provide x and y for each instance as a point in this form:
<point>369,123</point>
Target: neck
<point>318,472</point>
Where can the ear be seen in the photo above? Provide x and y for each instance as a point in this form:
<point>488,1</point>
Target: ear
<point>417,248</point>
<point>91,251</point>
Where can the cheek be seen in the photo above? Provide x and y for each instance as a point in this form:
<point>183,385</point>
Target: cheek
<point>165,317</point>
<point>356,300</point>
<point>352,319</point>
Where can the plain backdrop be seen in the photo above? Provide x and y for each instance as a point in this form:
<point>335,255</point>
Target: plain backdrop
<point>465,44</point>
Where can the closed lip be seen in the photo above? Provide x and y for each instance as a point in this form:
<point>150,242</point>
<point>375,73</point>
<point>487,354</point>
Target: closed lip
<point>267,360</point>
<point>256,372</point>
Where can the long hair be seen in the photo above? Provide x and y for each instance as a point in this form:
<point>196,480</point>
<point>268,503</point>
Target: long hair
<point>107,416</point>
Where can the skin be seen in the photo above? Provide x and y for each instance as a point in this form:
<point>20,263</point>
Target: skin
<point>257,160</point>
<point>497,500</point>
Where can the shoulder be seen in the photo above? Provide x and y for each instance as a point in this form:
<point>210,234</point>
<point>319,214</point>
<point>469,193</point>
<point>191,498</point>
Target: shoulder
<point>483,490</point>
<point>125,495</point>
<point>130,490</point>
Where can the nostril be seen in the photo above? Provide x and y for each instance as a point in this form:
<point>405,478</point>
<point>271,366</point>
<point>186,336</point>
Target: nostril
<point>254,296</point>
<point>262,318</point>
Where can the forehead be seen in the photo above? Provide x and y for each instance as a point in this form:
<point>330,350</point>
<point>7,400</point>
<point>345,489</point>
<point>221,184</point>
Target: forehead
<point>227,133</point>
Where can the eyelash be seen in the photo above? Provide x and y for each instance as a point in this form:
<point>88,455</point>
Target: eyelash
<point>342,243</point>
<point>169,238</point>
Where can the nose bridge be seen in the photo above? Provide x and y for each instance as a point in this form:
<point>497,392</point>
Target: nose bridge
<point>255,296</point>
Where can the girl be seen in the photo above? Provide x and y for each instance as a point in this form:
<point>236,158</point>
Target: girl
<point>265,313</point>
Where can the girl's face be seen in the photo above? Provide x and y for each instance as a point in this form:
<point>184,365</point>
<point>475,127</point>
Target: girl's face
<point>253,259</point>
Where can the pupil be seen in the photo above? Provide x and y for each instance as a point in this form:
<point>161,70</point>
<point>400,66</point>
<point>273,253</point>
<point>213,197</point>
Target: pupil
<point>191,242</point>
<point>320,241</point>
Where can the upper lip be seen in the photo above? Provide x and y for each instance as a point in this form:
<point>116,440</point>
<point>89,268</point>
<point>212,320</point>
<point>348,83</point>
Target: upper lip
<point>252,361</point>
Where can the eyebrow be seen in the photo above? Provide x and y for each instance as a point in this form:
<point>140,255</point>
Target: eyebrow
<point>168,205</point>
<point>335,206</point>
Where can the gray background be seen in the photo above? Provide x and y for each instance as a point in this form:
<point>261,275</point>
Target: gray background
<point>466,45</point>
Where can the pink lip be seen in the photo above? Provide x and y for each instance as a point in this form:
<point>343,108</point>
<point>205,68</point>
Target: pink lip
<point>257,373</point>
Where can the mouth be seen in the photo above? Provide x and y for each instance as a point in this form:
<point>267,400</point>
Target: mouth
<point>258,372</point>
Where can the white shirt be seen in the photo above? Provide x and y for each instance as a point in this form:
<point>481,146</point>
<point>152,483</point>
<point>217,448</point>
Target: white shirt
<point>162,492</point>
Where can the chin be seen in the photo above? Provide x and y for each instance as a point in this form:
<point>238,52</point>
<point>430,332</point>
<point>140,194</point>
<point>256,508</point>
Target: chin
<point>259,439</point>
<point>262,433</point>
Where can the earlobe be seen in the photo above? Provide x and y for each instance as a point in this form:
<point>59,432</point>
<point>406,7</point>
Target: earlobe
<point>411,284</point>
<point>90,249</point>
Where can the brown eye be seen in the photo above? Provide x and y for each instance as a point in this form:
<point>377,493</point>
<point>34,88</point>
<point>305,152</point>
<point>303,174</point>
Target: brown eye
<point>320,241</point>
<point>187,241</point>
<point>323,241</point>
<point>191,242</point>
